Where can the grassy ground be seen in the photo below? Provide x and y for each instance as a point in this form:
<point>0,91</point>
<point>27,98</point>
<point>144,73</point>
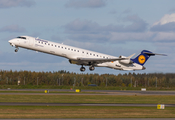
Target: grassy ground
<point>84,112</point>
<point>48,98</point>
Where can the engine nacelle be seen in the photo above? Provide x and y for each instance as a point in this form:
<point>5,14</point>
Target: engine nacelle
<point>73,62</point>
<point>125,61</point>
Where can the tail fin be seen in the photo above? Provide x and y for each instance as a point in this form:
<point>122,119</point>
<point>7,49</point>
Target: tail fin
<point>144,56</point>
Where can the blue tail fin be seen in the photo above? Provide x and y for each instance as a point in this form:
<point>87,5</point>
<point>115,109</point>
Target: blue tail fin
<point>143,57</point>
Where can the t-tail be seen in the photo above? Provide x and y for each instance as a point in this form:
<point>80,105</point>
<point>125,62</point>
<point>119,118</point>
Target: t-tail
<point>144,56</point>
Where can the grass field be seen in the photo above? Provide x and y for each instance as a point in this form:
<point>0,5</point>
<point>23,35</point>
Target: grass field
<point>8,112</point>
<point>46,98</point>
<point>84,112</point>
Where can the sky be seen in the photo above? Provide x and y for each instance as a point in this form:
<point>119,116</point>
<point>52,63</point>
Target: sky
<point>114,27</point>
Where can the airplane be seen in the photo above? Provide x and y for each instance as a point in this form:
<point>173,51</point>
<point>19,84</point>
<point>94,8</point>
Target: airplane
<point>81,56</point>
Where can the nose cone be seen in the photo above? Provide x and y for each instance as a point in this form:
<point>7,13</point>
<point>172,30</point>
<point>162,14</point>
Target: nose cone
<point>12,42</point>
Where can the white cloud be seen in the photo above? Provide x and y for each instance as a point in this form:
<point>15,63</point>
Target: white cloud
<point>86,30</point>
<point>16,3</point>
<point>165,24</point>
<point>164,36</point>
<point>166,19</point>
<point>83,30</point>
<point>146,36</point>
<point>85,3</point>
<point>82,26</point>
<point>168,27</point>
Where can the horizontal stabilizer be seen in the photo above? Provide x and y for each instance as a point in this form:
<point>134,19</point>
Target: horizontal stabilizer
<point>149,53</point>
<point>131,56</point>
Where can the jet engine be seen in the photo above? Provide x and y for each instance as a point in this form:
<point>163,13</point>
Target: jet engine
<point>125,61</point>
<point>73,62</point>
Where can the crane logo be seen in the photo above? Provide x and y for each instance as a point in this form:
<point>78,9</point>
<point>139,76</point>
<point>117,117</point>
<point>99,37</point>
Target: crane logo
<point>141,59</point>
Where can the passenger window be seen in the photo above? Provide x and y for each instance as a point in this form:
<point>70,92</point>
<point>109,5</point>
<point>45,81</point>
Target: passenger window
<point>68,48</point>
<point>55,45</point>
<point>48,44</point>
<point>77,50</point>
<point>72,49</point>
<point>58,46</point>
<point>52,44</point>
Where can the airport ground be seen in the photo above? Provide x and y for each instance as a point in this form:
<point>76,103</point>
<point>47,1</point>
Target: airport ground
<point>62,103</point>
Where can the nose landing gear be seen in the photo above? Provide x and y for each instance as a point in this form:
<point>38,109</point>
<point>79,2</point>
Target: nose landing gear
<point>16,50</point>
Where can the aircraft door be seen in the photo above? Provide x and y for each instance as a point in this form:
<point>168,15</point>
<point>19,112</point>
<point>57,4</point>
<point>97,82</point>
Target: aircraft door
<point>31,41</point>
<point>26,41</point>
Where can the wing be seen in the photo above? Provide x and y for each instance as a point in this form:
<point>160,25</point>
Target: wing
<point>94,61</point>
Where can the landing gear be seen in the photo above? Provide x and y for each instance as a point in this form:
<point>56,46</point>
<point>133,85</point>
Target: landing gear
<point>91,68</point>
<point>82,69</point>
<point>16,50</point>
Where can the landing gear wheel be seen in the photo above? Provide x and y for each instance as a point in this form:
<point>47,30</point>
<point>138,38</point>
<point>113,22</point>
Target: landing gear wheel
<point>91,68</point>
<point>82,69</point>
<point>16,50</point>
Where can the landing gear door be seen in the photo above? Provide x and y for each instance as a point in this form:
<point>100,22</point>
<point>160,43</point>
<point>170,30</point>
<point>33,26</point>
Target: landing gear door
<point>31,41</point>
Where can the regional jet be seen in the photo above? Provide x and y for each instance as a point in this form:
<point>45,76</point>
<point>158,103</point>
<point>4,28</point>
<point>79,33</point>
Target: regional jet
<point>81,56</point>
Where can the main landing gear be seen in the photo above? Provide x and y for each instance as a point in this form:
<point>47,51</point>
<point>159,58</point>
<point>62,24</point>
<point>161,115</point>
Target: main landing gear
<point>82,69</point>
<point>91,68</point>
<point>16,50</point>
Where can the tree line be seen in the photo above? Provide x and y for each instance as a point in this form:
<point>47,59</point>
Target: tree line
<point>65,78</point>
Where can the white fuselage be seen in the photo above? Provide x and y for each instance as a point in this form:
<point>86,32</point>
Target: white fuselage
<point>69,52</point>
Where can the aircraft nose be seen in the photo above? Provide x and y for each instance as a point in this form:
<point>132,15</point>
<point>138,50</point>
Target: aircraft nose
<point>10,41</point>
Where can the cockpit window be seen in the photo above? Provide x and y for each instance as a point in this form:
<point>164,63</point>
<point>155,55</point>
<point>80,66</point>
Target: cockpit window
<point>21,37</point>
